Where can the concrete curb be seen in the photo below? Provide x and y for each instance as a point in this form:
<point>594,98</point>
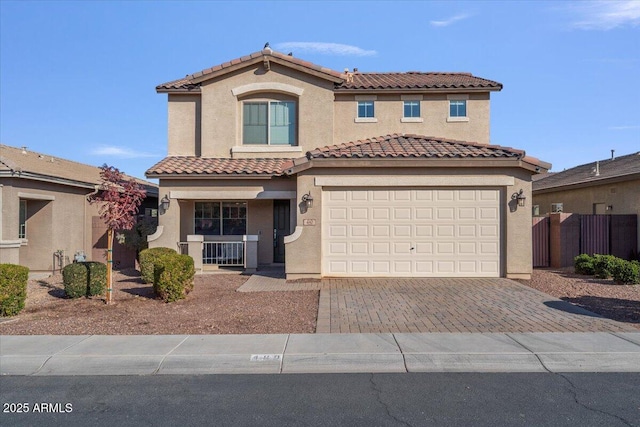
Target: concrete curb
<point>319,353</point>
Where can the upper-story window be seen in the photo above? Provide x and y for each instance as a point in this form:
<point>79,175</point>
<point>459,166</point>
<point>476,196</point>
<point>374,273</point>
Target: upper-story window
<point>411,109</point>
<point>366,109</point>
<point>22,230</point>
<point>458,108</point>
<point>269,123</point>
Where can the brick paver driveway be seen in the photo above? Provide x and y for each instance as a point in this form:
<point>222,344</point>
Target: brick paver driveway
<point>449,305</point>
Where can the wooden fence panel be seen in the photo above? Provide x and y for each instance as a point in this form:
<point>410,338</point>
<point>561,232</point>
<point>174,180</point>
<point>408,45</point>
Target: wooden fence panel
<point>541,256</point>
<point>624,236</point>
<point>594,234</point>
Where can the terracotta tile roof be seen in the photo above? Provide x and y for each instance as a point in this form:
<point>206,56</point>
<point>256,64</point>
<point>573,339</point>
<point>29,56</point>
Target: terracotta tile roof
<point>345,81</point>
<point>15,161</point>
<point>190,81</point>
<point>192,165</point>
<point>619,167</point>
<point>417,146</point>
<point>416,80</point>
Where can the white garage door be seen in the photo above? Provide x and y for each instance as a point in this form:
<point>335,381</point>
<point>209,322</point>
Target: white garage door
<point>411,232</point>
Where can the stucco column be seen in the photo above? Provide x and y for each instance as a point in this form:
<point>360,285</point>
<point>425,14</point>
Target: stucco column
<point>250,253</point>
<point>194,249</point>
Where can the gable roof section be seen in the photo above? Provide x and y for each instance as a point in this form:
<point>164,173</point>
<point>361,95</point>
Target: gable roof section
<point>421,147</point>
<point>192,81</point>
<point>594,173</point>
<point>16,162</point>
<point>344,82</point>
<point>175,166</point>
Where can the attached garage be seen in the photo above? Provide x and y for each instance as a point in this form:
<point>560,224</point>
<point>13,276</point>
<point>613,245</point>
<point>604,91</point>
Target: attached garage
<point>411,232</point>
<point>412,206</point>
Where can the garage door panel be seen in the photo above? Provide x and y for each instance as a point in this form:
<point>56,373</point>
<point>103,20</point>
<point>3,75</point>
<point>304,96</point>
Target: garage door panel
<point>411,232</point>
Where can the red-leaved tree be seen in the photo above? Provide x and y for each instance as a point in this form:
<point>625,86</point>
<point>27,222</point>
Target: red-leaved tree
<point>119,199</point>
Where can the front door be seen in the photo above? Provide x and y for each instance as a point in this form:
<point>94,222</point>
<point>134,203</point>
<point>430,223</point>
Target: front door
<point>281,224</point>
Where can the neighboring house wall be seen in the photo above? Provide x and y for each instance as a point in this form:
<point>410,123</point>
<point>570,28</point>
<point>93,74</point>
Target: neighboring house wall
<point>434,117</point>
<point>55,220</point>
<point>623,197</point>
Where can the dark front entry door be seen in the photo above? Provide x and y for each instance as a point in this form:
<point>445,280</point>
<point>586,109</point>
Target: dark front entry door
<point>281,218</point>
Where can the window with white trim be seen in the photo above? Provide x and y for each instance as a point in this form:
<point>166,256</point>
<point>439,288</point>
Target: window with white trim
<point>220,218</point>
<point>458,108</point>
<point>269,123</point>
<point>411,109</point>
<point>22,231</point>
<point>366,109</point>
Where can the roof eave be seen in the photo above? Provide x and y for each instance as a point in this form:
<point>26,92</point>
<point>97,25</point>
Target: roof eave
<point>194,91</point>
<point>419,90</point>
<point>585,184</point>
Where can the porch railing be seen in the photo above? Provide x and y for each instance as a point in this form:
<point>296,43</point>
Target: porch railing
<point>223,253</point>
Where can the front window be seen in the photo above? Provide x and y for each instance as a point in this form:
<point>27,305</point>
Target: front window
<point>269,123</point>
<point>366,109</point>
<point>22,231</point>
<point>411,109</point>
<point>220,218</point>
<point>458,108</point>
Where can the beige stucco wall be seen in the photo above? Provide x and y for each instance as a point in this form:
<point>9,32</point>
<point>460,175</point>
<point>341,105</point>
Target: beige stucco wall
<point>434,109</point>
<point>304,253</point>
<point>178,222</point>
<point>184,125</point>
<point>63,223</point>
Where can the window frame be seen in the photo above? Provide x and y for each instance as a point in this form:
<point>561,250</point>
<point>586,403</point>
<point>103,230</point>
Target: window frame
<point>220,218</point>
<point>365,103</point>
<point>269,102</point>
<point>411,103</point>
<point>454,99</point>
<point>22,219</point>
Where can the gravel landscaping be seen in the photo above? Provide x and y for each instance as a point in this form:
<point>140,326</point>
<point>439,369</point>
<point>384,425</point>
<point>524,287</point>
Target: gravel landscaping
<point>601,296</point>
<point>214,307</point>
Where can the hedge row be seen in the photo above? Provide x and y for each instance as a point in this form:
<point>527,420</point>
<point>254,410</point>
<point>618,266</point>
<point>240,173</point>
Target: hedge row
<point>148,259</point>
<point>84,279</point>
<point>608,266</point>
<point>173,276</point>
<point>13,288</point>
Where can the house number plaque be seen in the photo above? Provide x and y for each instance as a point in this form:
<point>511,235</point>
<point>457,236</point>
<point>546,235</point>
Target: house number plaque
<point>309,222</point>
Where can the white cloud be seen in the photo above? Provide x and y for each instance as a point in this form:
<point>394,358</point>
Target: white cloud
<point>120,152</point>
<point>325,48</point>
<point>447,22</point>
<point>624,127</point>
<point>606,15</point>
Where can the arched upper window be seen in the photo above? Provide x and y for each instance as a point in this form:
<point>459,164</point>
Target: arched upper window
<point>269,119</point>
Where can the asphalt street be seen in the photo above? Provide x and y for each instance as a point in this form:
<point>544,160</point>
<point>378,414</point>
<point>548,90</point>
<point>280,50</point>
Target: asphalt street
<point>408,399</point>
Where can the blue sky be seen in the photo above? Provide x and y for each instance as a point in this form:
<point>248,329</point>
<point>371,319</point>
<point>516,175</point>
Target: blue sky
<point>77,79</point>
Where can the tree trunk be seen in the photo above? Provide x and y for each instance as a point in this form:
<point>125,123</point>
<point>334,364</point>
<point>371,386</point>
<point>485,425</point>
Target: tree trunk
<point>109,265</point>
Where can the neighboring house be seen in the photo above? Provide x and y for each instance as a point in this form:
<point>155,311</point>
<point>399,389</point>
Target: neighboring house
<point>272,148</point>
<point>46,218</point>
<point>609,186</point>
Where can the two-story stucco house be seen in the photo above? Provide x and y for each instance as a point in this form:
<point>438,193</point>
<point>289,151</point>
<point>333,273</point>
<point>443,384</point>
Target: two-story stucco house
<point>343,174</point>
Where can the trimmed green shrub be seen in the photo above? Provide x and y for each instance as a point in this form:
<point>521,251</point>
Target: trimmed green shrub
<point>74,277</point>
<point>148,260</point>
<point>584,264</point>
<point>626,272</point>
<point>173,276</point>
<point>603,265</point>
<point>13,288</point>
<point>97,277</point>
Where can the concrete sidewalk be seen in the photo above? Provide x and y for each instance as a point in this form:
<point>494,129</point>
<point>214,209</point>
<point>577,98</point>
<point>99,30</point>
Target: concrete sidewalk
<point>319,353</point>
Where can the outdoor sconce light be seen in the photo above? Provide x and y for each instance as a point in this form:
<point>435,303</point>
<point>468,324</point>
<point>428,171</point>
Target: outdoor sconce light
<point>520,197</point>
<point>308,199</point>
<point>164,203</point>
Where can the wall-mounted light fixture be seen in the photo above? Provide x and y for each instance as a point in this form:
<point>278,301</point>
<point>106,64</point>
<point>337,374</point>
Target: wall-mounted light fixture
<point>164,203</point>
<point>308,199</point>
<point>520,197</point>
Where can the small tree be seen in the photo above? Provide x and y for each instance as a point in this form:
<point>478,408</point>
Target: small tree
<point>119,199</point>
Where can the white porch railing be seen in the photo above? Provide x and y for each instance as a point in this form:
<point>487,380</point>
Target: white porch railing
<point>223,253</point>
<point>227,253</point>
